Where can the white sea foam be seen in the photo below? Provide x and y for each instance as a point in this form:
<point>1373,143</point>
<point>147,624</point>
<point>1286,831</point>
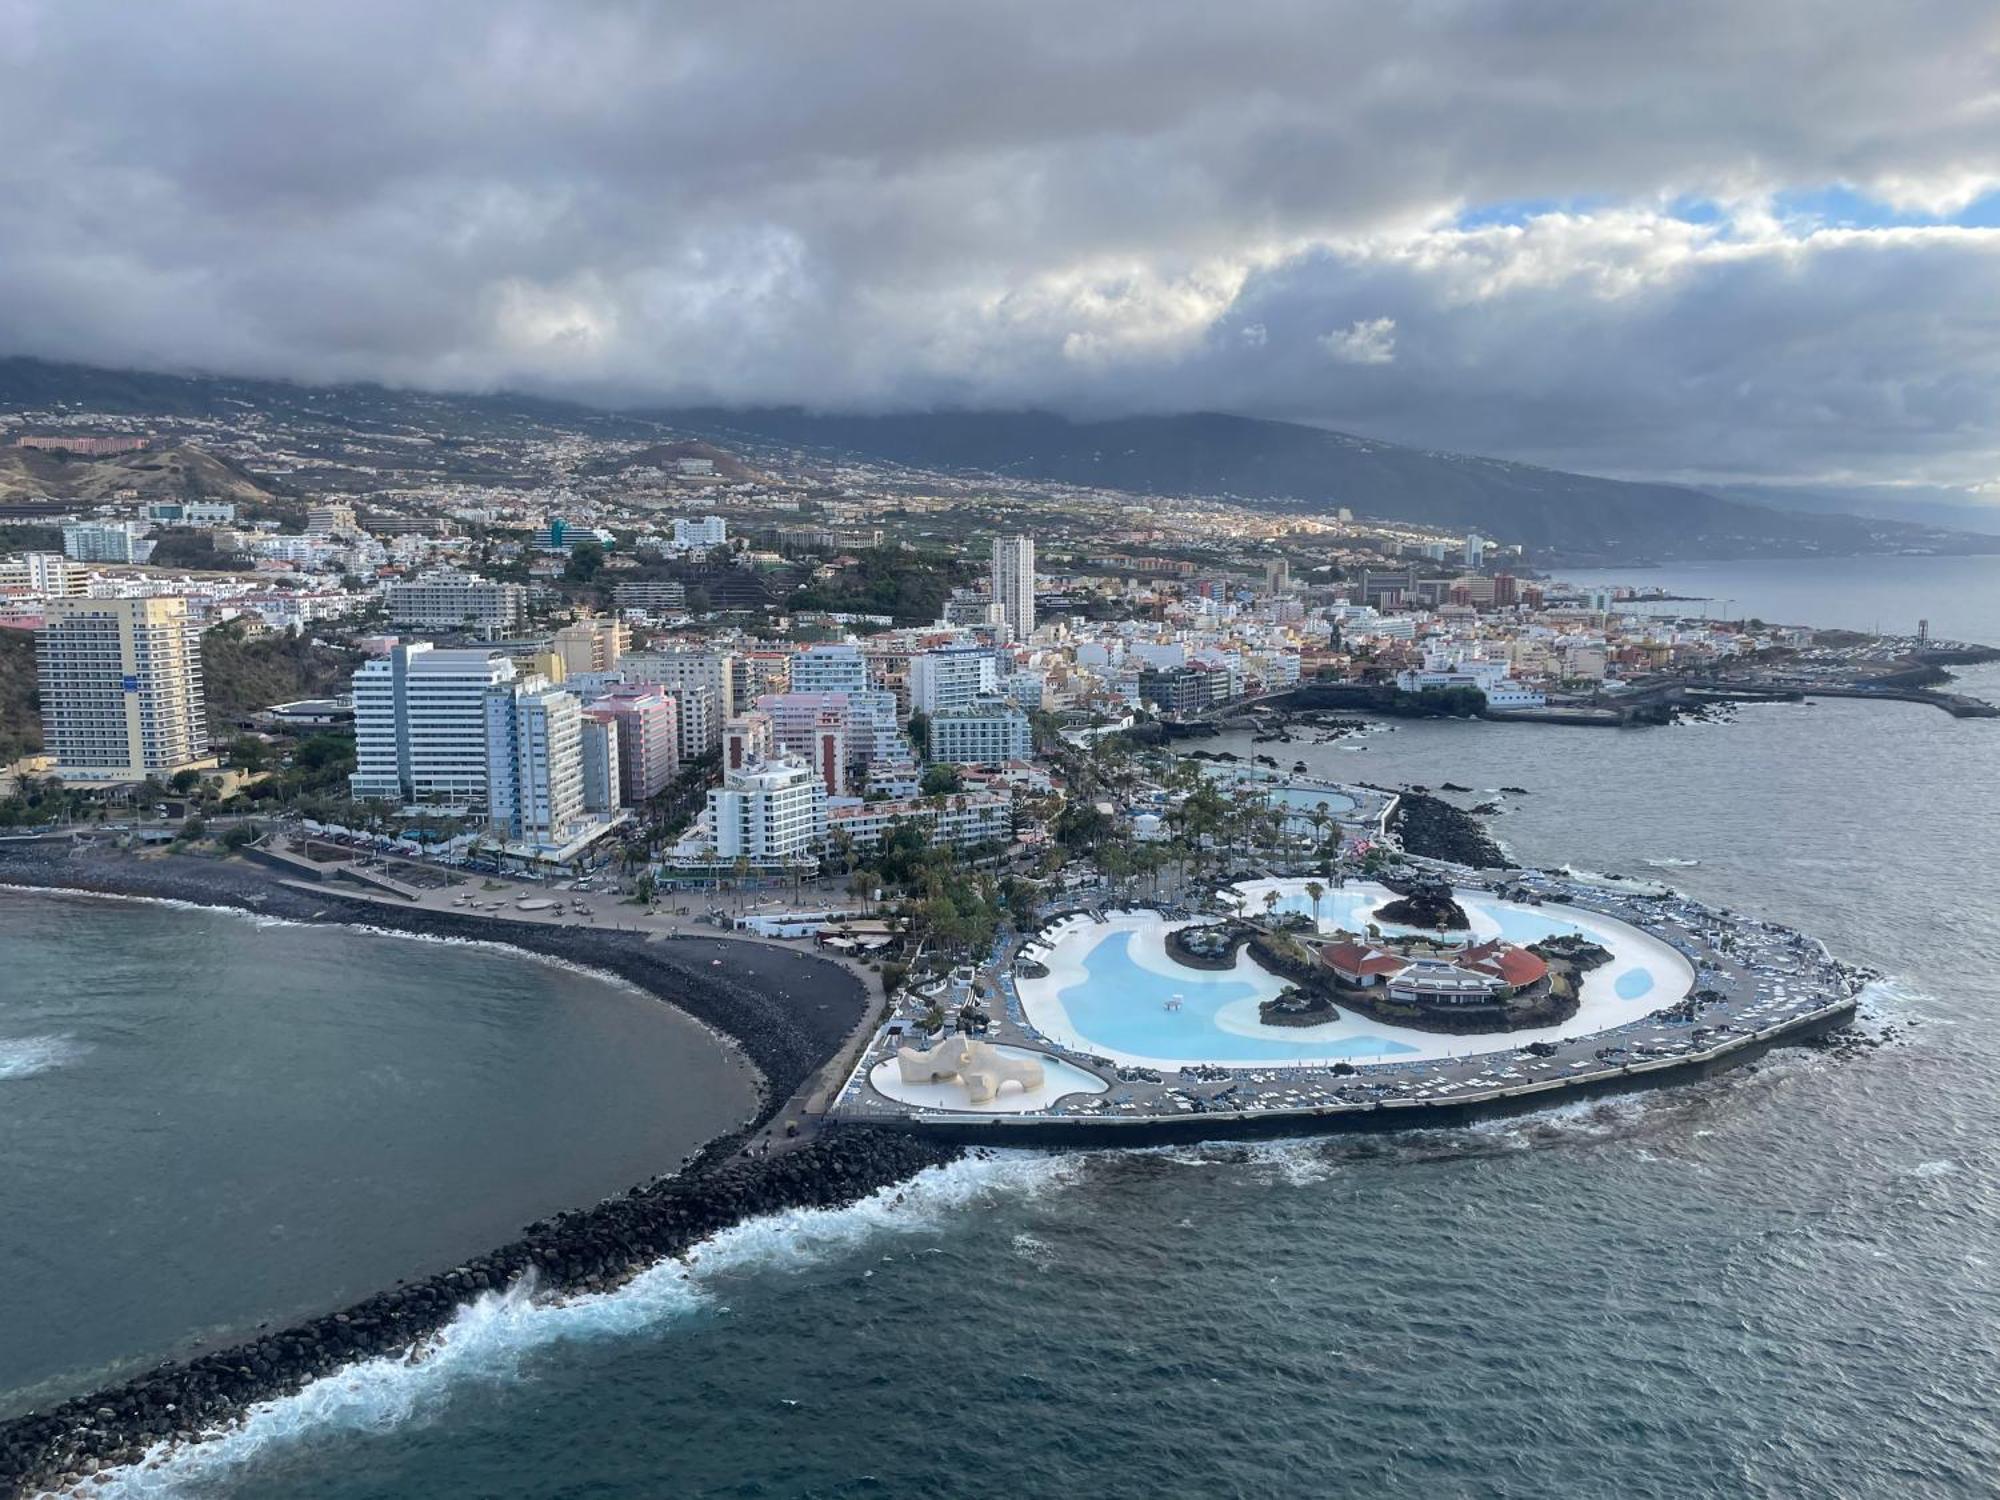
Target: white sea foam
<point>496,1338</point>
<point>24,1057</point>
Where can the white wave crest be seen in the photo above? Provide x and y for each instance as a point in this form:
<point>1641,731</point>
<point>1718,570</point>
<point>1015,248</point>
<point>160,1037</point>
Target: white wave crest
<point>497,1336</point>
<point>1891,1001</point>
<point>24,1057</point>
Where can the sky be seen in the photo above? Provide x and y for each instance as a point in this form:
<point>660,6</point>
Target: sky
<point>1706,240</point>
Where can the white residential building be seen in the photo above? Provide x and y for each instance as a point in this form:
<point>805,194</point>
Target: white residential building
<point>987,734</point>
<point>121,690</point>
<point>833,668</point>
<point>955,678</point>
<point>107,542</point>
<point>420,724</point>
<point>449,600</point>
<point>704,531</point>
<point>772,813</point>
<point>43,575</point>
<point>1014,585</point>
<point>698,721</point>
<point>534,763</point>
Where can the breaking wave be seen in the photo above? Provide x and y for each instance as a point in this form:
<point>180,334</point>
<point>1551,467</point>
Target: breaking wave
<point>24,1057</point>
<point>498,1337</point>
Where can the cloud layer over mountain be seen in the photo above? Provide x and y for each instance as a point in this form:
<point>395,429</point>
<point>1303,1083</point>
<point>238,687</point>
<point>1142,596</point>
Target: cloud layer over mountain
<point>1709,240</point>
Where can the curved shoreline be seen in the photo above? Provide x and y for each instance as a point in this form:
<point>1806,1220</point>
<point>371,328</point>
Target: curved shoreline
<point>498,946</point>
<point>586,1249</point>
<point>741,1002</point>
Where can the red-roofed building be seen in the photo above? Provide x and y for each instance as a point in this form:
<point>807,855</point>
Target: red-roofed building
<point>1362,964</point>
<point>1504,962</point>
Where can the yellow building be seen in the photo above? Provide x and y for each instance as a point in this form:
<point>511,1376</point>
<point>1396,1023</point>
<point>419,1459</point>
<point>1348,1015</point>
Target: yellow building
<point>121,689</point>
<point>591,645</point>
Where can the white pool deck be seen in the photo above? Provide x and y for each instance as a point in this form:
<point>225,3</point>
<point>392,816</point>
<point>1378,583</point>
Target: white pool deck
<point>1059,1080</point>
<point>1242,1040</point>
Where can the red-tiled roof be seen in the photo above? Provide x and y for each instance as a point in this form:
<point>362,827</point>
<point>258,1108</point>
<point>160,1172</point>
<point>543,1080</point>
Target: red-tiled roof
<point>1356,960</point>
<point>1504,962</point>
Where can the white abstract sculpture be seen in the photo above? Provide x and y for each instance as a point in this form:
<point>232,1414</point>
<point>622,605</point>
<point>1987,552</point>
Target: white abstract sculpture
<point>980,1067</point>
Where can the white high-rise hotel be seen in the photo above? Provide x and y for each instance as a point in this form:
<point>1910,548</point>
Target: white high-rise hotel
<point>120,683</point>
<point>1014,585</point>
<point>459,727</point>
<point>420,724</point>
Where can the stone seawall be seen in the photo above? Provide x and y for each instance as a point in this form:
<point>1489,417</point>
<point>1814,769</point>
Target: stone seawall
<point>1080,1133</point>
<point>590,1250</point>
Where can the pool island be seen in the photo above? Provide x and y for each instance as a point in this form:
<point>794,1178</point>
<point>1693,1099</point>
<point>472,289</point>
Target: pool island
<point>1294,1004</point>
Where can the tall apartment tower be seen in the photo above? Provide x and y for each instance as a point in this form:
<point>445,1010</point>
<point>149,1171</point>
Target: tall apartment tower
<point>121,688</point>
<point>420,724</point>
<point>1014,585</point>
<point>534,762</point>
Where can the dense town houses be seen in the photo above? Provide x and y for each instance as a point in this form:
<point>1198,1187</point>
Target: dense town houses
<point>806,657</point>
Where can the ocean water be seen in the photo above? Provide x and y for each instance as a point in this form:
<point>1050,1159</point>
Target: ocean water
<point>1960,596</point>
<point>1785,1282</point>
<point>209,1120</point>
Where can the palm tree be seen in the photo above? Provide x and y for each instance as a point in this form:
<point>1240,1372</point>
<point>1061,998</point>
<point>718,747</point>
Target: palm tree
<point>1315,892</point>
<point>1270,903</point>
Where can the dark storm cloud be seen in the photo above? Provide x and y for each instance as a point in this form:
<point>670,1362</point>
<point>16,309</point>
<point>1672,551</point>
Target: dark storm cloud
<point>1110,206</point>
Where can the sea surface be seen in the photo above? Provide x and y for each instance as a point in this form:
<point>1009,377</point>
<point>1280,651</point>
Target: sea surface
<point>1960,596</point>
<point>1782,1283</point>
<point>209,1120</point>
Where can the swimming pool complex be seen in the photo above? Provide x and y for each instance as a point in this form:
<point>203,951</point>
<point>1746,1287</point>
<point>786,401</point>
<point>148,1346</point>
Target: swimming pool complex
<point>1113,990</point>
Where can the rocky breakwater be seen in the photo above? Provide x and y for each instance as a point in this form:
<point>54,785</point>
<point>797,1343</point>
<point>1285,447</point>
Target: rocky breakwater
<point>1432,828</point>
<point>589,1250</point>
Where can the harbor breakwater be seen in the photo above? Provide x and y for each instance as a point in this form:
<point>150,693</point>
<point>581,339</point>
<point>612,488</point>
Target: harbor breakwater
<point>589,1250</point>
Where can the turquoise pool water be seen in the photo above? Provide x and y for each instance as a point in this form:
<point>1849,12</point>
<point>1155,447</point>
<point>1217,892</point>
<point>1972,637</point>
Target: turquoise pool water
<point>1121,1007</point>
<point>1633,983</point>
<point>1303,800</point>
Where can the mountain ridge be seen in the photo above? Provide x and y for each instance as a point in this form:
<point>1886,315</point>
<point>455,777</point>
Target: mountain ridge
<point>1283,466</point>
<point>1288,466</point>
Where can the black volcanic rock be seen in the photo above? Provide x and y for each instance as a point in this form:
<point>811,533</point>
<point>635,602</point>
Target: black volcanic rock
<point>1424,902</point>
